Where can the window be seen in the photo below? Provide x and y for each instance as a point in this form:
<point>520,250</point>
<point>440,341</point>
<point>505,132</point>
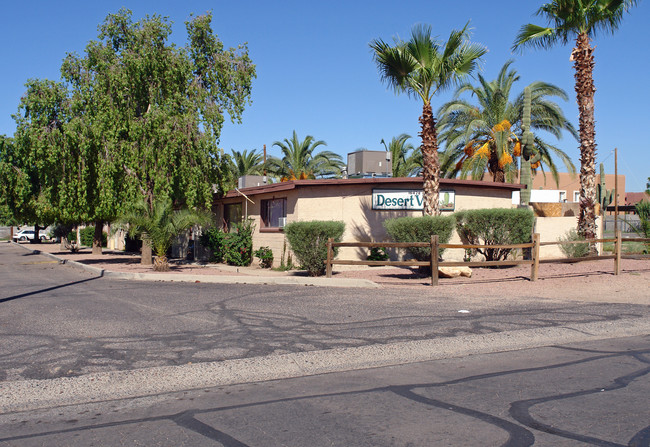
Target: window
<point>576,196</point>
<point>274,212</point>
<point>232,214</point>
<point>562,196</point>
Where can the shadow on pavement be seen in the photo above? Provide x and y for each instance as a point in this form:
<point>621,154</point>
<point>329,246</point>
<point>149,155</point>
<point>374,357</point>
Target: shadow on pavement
<point>36,292</point>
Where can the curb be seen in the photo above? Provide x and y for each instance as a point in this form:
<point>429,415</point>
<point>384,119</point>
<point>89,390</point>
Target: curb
<point>213,279</point>
<point>39,394</point>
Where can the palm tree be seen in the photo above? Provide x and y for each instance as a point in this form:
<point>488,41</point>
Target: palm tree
<point>159,225</point>
<point>421,68</point>
<point>402,156</point>
<point>246,163</point>
<point>299,162</point>
<point>487,136</point>
<point>582,19</point>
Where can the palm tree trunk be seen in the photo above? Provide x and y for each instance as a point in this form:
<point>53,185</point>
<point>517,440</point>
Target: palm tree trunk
<point>430,162</point>
<point>583,58</point>
<point>498,175</point>
<point>145,258</point>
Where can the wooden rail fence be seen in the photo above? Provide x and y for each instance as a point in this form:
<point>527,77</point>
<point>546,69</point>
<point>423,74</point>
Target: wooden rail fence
<point>434,262</point>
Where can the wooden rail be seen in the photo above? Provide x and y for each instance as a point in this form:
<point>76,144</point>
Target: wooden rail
<point>434,262</point>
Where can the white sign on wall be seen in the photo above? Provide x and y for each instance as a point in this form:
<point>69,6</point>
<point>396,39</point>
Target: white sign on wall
<point>409,199</point>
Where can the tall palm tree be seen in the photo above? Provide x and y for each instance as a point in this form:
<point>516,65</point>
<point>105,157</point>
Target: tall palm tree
<point>487,136</point>
<point>421,67</point>
<point>299,161</point>
<point>246,163</point>
<point>581,19</point>
<point>402,156</point>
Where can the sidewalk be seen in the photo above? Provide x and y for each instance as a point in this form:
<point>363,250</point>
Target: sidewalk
<point>586,281</point>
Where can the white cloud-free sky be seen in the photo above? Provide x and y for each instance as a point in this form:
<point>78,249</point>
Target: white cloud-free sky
<point>315,72</point>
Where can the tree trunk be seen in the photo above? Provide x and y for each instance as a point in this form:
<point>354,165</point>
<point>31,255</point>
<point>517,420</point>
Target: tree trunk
<point>97,238</point>
<point>145,258</point>
<point>37,235</point>
<point>430,162</point>
<point>498,175</point>
<point>583,58</point>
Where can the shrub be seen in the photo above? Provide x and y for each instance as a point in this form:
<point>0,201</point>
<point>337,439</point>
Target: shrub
<point>308,241</point>
<point>265,255</point>
<point>573,250</point>
<point>420,229</point>
<point>212,239</point>
<point>497,226</point>
<point>238,245</point>
<point>86,235</point>
<point>378,254</point>
<point>643,210</point>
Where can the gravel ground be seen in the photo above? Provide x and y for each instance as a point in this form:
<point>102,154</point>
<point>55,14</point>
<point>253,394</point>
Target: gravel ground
<point>585,281</point>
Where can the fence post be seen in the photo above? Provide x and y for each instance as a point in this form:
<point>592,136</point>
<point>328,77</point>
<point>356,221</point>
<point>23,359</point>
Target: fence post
<point>534,268</point>
<point>434,259</point>
<point>618,248</point>
<point>328,262</point>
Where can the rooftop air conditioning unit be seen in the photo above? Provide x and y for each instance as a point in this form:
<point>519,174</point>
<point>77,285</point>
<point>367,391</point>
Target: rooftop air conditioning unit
<point>282,221</point>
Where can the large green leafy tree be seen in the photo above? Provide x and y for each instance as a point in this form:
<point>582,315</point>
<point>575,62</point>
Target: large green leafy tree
<point>300,161</point>
<point>485,134</point>
<point>403,157</point>
<point>421,67</point>
<point>163,107</point>
<point>8,180</point>
<point>582,20</point>
<point>35,162</point>
<point>137,118</point>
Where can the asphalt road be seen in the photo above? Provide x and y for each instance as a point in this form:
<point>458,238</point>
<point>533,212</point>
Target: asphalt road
<point>58,321</point>
<point>591,393</point>
<point>87,360</point>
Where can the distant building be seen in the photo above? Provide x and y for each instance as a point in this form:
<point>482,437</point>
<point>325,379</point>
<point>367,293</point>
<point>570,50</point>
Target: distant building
<point>568,187</point>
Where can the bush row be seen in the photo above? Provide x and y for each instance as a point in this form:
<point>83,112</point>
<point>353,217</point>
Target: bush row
<point>308,240</point>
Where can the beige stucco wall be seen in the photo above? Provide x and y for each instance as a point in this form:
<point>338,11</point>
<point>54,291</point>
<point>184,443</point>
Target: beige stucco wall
<point>352,204</point>
<point>551,229</point>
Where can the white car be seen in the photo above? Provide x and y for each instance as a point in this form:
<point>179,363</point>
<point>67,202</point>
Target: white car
<point>28,235</point>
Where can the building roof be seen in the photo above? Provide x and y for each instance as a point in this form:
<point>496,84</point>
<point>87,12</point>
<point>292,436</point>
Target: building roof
<point>632,198</point>
<point>413,182</point>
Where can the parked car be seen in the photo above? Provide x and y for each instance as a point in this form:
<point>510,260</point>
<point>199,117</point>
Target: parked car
<point>28,235</point>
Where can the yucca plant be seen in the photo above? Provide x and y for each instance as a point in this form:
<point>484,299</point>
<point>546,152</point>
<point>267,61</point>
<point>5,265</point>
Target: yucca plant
<point>159,224</point>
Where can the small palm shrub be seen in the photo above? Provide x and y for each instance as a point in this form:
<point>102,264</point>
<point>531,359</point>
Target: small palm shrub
<point>308,241</point>
<point>420,229</point>
<point>573,250</point>
<point>160,224</point>
<point>496,226</point>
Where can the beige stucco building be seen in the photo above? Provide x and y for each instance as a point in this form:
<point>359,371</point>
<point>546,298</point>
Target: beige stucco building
<point>363,204</point>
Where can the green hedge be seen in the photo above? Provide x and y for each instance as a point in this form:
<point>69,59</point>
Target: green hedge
<point>308,241</point>
<point>86,235</point>
<point>495,227</point>
<point>420,229</point>
<point>212,239</point>
<point>234,248</point>
<point>238,244</point>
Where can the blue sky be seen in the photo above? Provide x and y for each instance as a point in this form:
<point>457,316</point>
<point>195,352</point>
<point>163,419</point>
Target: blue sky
<point>315,72</point>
